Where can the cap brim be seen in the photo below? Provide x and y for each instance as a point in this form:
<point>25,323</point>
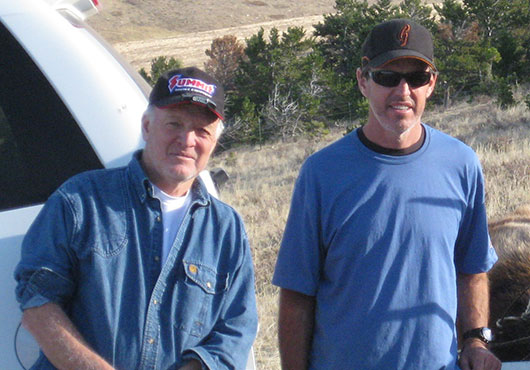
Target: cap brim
<point>392,55</point>
<point>177,100</point>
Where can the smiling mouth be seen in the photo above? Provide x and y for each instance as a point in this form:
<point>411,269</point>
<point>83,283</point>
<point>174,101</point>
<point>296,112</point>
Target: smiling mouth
<point>182,155</point>
<point>400,106</point>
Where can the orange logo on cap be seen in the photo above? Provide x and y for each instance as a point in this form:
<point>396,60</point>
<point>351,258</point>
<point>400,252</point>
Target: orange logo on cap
<point>404,35</point>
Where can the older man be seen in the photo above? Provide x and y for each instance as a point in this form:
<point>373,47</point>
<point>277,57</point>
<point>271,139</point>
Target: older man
<point>139,267</point>
<point>387,243</point>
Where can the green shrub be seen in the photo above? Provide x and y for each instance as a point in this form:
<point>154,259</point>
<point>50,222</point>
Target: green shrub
<point>159,66</point>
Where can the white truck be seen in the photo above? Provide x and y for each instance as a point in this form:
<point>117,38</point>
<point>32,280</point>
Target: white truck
<point>68,103</point>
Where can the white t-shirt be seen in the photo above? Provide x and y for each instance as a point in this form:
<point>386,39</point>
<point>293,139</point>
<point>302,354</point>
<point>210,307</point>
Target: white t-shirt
<point>173,211</point>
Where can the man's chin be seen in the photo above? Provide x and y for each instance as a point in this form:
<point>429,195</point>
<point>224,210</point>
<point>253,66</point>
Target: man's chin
<point>184,176</point>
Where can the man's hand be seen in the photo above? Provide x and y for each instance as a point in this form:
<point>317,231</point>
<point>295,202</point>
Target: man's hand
<point>475,356</point>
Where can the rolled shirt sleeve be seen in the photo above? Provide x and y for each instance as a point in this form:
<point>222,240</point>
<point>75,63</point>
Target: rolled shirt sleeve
<point>44,273</point>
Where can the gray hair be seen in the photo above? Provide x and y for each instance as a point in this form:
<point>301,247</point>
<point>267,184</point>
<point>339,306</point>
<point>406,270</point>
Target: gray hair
<point>150,115</point>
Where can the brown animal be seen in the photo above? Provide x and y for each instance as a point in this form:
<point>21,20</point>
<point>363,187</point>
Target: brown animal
<point>510,286</point>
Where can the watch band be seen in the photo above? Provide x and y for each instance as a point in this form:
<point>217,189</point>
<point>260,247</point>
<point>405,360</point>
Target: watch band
<point>484,334</point>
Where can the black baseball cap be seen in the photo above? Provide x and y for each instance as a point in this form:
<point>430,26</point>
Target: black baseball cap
<point>397,39</point>
<point>188,85</point>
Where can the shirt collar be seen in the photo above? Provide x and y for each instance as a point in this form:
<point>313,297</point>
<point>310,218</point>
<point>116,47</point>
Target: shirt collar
<point>143,186</point>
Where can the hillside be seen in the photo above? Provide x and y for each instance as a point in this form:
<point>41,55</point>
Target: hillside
<point>142,30</point>
<point>132,20</point>
<point>190,49</point>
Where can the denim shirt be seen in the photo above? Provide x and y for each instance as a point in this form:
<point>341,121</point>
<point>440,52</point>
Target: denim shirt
<point>95,250</point>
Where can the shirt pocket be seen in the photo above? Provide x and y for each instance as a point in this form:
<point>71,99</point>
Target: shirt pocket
<point>106,225</point>
<point>200,297</point>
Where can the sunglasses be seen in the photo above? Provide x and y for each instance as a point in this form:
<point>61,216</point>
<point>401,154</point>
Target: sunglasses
<point>392,79</point>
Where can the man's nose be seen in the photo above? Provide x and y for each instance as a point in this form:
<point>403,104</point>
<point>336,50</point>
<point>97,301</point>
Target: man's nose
<point>403,86</point>
<point>187,137</point>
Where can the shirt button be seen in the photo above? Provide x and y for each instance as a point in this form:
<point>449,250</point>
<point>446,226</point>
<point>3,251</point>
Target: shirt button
<point>158,218</point>
<point>155,301</point>
<point>209,285</point>
<point>157,258</point>
<point>150,341</point>
<point>193,269</point>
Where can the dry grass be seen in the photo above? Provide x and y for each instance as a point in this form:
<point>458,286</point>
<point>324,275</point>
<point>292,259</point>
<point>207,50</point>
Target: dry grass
<point>260,189</point>
<point>502,141</point>
<point>262,180</point>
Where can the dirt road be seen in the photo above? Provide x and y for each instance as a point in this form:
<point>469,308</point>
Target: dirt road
<point>190,48</point>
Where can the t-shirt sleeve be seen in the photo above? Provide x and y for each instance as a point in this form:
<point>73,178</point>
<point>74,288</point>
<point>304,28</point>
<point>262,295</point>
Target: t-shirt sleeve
<point>474,252</point>
<point>299,259</point>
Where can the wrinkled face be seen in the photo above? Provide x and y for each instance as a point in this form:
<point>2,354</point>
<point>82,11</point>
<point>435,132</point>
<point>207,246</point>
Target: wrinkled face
<point>396,110</point>
<point>178,143</point>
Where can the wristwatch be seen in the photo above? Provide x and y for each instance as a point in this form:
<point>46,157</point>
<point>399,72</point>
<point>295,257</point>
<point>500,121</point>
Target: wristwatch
<point>484,334</point>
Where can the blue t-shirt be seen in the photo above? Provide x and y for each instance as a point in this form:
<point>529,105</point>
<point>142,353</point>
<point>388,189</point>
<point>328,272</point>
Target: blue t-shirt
<point>379,240</point>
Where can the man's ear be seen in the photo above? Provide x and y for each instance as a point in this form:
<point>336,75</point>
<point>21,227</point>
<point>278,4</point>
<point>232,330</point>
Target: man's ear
<point>432,84</point>
<point>361,81</point>
<point>146,117</point>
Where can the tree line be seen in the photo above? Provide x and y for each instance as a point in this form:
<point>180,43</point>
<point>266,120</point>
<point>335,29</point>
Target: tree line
<point>287,84</point>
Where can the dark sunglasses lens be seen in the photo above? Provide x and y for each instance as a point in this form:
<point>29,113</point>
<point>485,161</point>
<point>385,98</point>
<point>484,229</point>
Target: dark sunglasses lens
<point>417,79</point>
<point>386,78</point>
<point>392,79</point>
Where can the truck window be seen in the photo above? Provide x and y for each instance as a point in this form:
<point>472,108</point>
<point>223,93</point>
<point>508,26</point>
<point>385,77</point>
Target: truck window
<point>41,144</point>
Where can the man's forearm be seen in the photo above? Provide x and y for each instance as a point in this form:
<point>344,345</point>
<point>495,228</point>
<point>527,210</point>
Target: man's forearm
<point>473,301</point>
<point>59,340</point>
<point>295,329</point>
<point>473,312</point>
